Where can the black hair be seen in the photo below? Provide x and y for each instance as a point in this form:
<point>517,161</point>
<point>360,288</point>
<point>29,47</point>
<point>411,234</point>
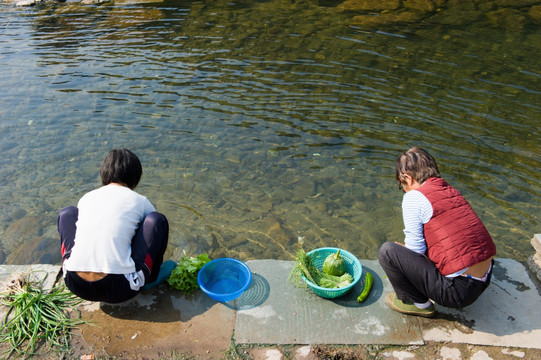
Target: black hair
<point>121,166</point>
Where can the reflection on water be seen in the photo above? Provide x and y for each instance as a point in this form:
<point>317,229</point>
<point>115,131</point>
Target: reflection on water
<point>264,121</point>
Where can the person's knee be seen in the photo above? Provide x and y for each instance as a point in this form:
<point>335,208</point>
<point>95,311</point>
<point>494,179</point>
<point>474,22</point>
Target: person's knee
<point>158,224</point>
<point>67,217</point>
<point>70,212</point>
<point>156,219</point>
<point>385,250</point>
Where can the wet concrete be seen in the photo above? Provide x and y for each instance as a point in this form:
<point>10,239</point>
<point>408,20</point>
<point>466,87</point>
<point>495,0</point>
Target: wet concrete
<point>273,314</point>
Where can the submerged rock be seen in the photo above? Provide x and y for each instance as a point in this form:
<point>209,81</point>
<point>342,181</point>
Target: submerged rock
<point>420,5</point>
<point>507,18</point>
<point>22,230</point>
<point>505,14</point>
<point>17,213</point>
<point>95,2</point>
<point>27,2</point>
<point>369,5</point>
<point>457,17</point>
<point>535,14</point>
<point>274,229</point>
<point>372,21</point>
<point>516,3</point>
<point>39,250</point>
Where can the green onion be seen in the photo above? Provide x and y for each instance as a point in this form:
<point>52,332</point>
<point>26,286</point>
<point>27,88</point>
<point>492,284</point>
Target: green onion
<point>36,316</point>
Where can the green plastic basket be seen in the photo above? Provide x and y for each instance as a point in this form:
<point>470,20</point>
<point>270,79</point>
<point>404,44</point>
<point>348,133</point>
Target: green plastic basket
<point>353,267</point>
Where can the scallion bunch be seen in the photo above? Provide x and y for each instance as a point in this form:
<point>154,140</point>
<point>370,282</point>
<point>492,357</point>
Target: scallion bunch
<point>36,316</point>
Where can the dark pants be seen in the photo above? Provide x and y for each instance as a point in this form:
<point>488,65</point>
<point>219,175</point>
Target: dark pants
<point>147,247</point>
<point>415,278</point>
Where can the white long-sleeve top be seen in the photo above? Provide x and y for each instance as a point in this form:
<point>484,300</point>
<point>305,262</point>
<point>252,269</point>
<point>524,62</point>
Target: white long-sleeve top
<point>416,211</point>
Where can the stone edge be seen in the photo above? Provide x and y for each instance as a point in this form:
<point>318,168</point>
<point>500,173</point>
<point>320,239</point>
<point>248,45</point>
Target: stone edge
<point>534,261</point>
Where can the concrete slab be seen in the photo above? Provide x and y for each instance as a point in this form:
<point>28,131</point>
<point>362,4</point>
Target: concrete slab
<point>40,272</point>
<point>505,315</point>
<point>273,311</point>
<point>155,325</point>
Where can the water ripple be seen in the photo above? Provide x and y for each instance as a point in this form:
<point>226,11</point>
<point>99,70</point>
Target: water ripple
<point>260,122</point>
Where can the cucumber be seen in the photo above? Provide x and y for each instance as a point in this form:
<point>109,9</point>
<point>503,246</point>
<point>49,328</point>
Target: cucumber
<point>368,281</point>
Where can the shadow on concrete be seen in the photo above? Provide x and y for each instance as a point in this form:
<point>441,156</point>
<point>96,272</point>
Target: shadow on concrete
<point>504,314</point>
<point>156,306</point>
<point>350,299</point>
<point>164,304</point>
<point>256,294</point>
<point>193,305</point>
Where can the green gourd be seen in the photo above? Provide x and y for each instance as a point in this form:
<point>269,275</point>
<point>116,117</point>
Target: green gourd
<point>334,264</point>
<point>368,281</point>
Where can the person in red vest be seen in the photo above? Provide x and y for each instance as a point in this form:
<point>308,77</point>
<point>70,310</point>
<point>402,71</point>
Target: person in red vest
<point>448,253</point>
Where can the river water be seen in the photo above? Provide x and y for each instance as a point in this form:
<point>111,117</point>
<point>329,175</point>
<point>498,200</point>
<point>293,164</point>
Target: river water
<point>262,122</point>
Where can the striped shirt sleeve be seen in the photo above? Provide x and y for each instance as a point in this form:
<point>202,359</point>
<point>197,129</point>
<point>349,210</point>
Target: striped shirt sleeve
<point>416,211</point>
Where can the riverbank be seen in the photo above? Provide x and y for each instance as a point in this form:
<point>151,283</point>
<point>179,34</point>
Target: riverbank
<point>275,320</point>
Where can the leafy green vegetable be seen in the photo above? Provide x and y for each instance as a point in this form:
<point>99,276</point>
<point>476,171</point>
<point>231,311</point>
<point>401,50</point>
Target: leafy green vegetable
<point>304,266</point>
<point>184,276</point>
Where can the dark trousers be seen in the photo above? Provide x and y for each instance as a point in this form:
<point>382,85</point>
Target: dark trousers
<point>415,278</point>
<point>147,249</point>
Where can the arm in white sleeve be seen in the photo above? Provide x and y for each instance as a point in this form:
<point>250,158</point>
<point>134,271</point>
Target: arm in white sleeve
<point>148,207</point>
<point>416,211</point>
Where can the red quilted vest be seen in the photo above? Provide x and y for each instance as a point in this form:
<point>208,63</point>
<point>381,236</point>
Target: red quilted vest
<point>455,237</point>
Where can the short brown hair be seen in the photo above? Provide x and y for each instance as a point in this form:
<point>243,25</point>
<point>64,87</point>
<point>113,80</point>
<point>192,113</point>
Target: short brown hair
<point>418,164</point>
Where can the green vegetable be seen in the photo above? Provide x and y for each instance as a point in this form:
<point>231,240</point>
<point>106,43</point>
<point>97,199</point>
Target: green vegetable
<point>304,266</point>
<point>36,315</point>
<point>334,264</point>
<point>184,276</point>
<point>368,281</point>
